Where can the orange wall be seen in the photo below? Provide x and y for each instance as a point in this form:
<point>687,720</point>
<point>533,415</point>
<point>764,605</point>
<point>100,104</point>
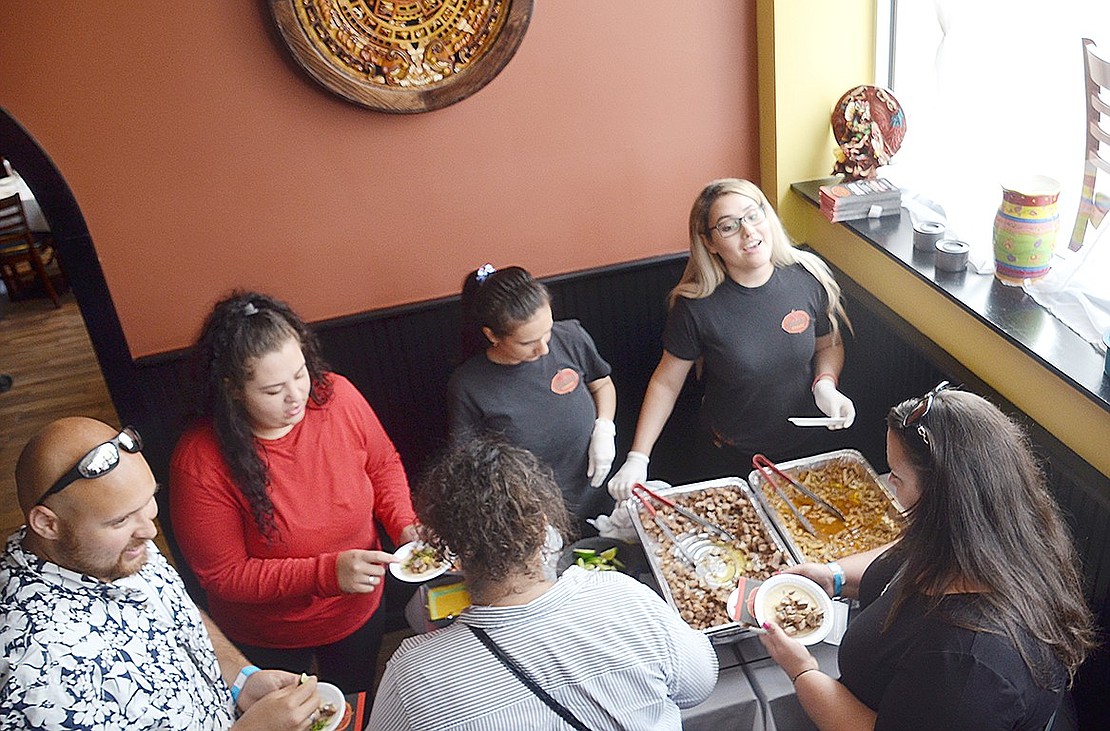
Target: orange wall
<point>204,159</point>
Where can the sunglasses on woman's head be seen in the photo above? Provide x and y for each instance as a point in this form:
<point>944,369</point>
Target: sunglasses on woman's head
<point>99,461</point>
<point>921,409</point>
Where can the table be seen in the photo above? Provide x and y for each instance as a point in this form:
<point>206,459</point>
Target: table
<point>359,714</point>
<point>733,704</point>
<point>774,690</point>
<point>14,183</point>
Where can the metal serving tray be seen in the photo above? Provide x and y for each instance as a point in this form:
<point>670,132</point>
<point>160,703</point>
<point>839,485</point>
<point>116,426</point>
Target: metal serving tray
<point>884,521</point>
<point>726,630</point>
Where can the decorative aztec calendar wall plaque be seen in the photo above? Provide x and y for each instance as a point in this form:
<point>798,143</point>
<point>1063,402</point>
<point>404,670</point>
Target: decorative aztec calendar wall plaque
<point>404,56</point>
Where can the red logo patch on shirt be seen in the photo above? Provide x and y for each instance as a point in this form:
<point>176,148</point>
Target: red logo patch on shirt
<point>565,381</point>
<point>796,321</point>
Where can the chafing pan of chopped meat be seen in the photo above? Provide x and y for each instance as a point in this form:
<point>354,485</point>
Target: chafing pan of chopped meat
<point>699,592</point>
<point>845,479</point>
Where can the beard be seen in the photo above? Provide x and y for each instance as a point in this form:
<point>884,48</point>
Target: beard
<point>75,557</point>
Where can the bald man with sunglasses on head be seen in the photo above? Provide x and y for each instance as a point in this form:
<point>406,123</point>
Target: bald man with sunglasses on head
<point>96,630</point>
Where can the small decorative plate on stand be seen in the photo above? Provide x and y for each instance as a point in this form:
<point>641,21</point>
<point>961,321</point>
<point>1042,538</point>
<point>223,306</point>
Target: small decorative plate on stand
<point>868,124</point>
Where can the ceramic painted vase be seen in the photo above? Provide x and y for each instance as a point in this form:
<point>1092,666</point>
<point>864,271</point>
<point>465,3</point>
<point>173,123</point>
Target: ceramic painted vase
<point>1025,229</point>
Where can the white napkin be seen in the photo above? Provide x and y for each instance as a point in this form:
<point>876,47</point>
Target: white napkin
<point>619,525</point>
<point>1075,290</point>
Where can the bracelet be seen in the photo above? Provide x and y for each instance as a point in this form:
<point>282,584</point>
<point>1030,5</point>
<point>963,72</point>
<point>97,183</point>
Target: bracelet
<point>807,670</point>
<point>838,577</point>
<point>825,374</point>
<point>241,680</point>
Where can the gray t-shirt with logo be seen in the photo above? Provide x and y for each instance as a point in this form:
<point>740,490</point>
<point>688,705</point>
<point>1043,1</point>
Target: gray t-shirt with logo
<point>542,405</point>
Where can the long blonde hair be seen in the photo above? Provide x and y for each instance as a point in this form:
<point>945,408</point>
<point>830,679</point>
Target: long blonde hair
<point>705,271</point>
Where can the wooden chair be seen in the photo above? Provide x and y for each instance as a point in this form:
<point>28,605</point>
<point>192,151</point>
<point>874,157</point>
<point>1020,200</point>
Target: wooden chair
<point>1093,206</point>
<point>23,253</point>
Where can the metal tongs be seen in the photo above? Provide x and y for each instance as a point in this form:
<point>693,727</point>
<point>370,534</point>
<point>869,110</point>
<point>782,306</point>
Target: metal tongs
<point>766,467</point>
<point>645,496</point>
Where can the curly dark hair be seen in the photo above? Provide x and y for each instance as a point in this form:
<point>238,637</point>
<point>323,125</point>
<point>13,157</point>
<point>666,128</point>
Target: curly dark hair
<point>490,503</point>
<point>242,327</point>
<point>985,516</point>
<point>500,300</point>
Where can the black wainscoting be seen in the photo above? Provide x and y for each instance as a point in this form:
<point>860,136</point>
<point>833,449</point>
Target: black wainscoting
<point>401,358</point>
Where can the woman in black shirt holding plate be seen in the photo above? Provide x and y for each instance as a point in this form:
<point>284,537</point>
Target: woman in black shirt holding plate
<point>975,617</point>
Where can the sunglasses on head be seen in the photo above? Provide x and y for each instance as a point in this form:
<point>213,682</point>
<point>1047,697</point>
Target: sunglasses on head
<point>921,409</point>
<point>99,461</point>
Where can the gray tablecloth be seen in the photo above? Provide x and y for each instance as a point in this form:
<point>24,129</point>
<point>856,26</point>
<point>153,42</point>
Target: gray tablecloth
<point>782,710</point>
<point>733,704</point>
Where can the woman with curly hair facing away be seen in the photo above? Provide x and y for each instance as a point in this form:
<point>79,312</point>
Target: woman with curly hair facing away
<point>764,317</point>
<point>975,617</point>
<point>493,505</point>
<point>275,493</point>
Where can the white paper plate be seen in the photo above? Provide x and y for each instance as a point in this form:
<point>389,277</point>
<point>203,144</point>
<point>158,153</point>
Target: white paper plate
<point>398,569</point>
<point>817,420</point>
<point>770,593</point>
<point>330,694</point>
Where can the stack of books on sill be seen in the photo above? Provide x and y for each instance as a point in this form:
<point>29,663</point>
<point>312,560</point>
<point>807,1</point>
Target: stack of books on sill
<point>869,198</point>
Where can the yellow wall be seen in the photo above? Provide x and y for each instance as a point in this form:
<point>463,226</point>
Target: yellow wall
<point>810,53</point>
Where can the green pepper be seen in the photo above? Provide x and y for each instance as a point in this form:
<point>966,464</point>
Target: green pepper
<point>590,559</point>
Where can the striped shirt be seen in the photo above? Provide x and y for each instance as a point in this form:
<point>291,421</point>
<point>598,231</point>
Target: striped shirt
<point>602,644</point>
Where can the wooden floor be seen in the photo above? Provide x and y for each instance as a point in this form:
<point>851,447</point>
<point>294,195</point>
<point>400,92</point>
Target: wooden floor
<point>48,354</point>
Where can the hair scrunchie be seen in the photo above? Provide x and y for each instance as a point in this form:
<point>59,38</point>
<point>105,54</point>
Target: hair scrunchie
<point>484,271</point>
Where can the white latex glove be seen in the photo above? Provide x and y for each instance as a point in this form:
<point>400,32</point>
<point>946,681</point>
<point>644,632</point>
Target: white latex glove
<point>603,450</point>
<point>634,470</point>
<point>618,525</point>
<point>833,403</point>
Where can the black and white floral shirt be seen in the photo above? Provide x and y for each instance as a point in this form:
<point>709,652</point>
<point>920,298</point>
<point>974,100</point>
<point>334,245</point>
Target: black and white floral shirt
<point>79,653</point>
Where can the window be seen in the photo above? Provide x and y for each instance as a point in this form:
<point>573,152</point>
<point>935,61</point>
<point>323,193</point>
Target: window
<point>991,89</point>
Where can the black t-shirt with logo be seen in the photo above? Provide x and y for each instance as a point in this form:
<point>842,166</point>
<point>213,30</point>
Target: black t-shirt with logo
<point>758,345</point>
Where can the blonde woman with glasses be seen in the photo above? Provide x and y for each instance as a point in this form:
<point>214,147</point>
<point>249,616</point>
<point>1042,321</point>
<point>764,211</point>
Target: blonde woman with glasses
<point>764,319</point>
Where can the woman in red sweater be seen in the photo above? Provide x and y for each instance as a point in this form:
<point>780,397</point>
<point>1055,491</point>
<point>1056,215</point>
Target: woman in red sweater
<point>276,491</point>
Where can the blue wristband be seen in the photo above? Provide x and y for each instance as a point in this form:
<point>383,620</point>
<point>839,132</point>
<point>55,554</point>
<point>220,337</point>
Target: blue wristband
<point>240,681</point>
<point>838,577</point>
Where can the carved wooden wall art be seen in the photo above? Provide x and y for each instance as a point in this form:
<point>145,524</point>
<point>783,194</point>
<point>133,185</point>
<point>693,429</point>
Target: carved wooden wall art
<point>403,56</point>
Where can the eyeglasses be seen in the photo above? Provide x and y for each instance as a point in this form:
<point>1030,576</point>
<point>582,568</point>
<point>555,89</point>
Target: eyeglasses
<point>728,226</point>
<point>921,409</point>
<point>100,460</point>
